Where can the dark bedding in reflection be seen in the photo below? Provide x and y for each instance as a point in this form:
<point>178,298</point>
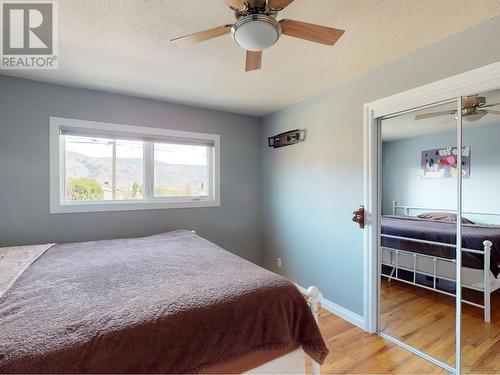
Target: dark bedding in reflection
<point>473,236</point>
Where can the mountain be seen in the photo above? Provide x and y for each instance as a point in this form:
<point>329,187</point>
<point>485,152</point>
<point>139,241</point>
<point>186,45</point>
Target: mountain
<point>170,178</point>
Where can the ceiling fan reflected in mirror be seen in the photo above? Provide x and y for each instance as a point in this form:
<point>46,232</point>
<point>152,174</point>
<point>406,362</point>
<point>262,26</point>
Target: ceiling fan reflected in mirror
<point>256,29</point>
<point>472,110</point>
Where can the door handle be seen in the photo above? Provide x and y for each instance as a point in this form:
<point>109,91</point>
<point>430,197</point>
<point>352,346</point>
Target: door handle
<point>359,217</point>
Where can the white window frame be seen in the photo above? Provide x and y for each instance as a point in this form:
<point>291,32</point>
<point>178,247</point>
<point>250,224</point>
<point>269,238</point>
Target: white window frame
<point>58,202</point>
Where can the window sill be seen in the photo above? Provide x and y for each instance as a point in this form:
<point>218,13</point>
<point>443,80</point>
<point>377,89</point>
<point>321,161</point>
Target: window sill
<point>130,206</point>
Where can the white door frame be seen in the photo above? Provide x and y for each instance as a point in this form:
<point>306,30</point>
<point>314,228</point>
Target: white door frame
<point>484,79</point>
<point>480,80</point>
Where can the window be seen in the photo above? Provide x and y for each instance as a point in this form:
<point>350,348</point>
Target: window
<point>181,170</point>
<point>110,167</point>
<point>103,169</point>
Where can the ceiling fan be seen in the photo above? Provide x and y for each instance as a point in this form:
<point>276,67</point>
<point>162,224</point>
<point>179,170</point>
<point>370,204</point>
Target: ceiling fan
<point>472,109</point>
<point>256,29</point>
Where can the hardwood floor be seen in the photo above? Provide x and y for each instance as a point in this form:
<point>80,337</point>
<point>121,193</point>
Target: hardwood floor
<point>481,341</point>
<point>425,321</point>
<point>422,319</point>
<point>354,351</point>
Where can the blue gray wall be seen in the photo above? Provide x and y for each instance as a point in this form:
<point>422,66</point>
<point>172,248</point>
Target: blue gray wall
<point>309,190</point>
<point>402,182</point>
<point>297,200</point>
<point>25,107</point>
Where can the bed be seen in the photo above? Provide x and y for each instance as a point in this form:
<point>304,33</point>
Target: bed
<point>168,303</point>
<point>412,247</point>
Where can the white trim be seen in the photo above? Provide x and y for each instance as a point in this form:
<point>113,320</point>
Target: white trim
<point>458,250</point>
<point>396,206</point>
<point>133,131</point>
<point>417,352</point>
<point>338,310</point>
<point>371,204</point>
<point>480,80</point>
<point>484,79</point>
<point>57,186</point>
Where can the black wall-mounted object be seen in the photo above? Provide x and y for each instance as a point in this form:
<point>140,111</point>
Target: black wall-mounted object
<point>286,139</point>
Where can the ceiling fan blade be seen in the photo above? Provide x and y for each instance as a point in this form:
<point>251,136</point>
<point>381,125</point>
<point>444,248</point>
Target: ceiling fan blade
<point>488,105</point>
<point>203,35</point>
<point>253,60</point>
<point>493,112</point>
<point>236,4</point>
<point>311,32</point>
<point>434,114</point>
<point>279,4</point>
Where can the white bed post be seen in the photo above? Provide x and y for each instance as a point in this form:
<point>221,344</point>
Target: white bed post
<point>487,303</point>
<point>313,299</point>
<point>394,204</point>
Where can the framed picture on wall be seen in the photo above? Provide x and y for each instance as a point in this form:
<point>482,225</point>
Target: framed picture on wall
<point>442,163</point>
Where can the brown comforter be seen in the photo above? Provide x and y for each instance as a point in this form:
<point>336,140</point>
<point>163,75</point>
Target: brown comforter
<point>173,302</point>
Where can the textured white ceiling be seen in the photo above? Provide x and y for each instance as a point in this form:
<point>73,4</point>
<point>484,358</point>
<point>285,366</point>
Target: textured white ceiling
<point>123,46</point>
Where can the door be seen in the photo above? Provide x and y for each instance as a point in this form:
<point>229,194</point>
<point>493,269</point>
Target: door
<point>419,188</point>
<point>480,318</point>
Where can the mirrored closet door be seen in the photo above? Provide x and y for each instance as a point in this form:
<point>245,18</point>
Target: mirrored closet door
<point>480,318</point>
<point>419,190</point>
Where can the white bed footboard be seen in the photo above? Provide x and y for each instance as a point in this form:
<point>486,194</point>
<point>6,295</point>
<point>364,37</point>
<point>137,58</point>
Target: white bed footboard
<point>398,209</point>
<point>294,362</point>
<point>440,268</point>
<point>313,294</point>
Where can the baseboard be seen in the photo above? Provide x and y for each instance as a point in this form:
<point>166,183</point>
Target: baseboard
<point>340,311</point>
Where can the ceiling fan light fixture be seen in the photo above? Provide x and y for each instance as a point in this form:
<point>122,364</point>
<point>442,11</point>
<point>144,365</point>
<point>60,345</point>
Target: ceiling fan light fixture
<point>478,115</point>
<point>256,32</point>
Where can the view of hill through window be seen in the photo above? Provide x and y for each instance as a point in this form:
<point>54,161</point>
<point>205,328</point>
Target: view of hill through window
<point>179,170</point>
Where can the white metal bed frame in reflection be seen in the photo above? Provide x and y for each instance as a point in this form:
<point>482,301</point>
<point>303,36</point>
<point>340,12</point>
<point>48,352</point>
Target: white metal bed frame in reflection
<point>481,280</point>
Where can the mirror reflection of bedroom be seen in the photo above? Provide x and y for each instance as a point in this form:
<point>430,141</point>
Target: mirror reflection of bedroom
<point>417,252</point>
<point>416,307</point>
<point>480,343</point>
